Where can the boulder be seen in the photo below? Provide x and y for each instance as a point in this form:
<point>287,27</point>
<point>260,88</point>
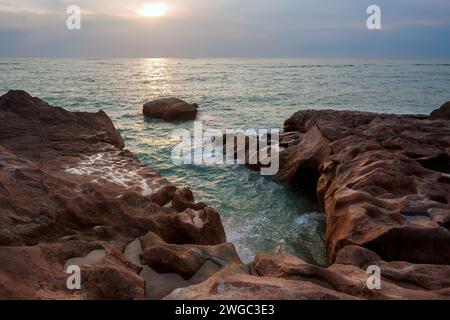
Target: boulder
<point>184,260</point>
<point>171,109</point>
<point>442,113</point>
<point>183,199</point>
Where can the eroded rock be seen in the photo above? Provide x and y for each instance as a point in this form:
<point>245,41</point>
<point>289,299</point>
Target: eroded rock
<point>171,109</point>
<point>442,113</point>
<point>381,180</point>
<point>71,195</point>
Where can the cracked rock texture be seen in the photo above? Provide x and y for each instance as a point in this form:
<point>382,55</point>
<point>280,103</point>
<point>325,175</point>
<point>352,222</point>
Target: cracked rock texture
<point>382,180</point>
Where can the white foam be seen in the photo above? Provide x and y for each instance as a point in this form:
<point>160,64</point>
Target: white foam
<point>111,167</point>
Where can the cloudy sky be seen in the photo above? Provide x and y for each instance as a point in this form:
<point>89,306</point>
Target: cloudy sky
<point>412,29</point>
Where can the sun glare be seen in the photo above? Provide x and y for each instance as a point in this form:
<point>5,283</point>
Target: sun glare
<point>153,10</point>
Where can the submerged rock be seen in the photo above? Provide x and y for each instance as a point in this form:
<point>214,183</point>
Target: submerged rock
<point>171,109</point>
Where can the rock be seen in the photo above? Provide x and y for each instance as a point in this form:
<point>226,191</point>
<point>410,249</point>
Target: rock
<point>292,268</point>
<point>171,109</point>
<point>184,199</point>
<point>381,180</point>
<point>418,276</point>
<point>399,279</point>
<point>199,227</point>
<point>109,283</point>
<point>62,202</point>
<point>184,260</point>
<point>166,267</point>
<point>233,283</point>
<point>442,113</point>
<point>164,195</point>
<point>357,256</point>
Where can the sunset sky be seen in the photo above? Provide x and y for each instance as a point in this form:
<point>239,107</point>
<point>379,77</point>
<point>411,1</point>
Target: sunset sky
<point>412,29</point>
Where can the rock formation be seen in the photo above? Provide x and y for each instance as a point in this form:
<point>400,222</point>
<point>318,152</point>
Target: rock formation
<point>286,277</point>
<point>171,109</point>
<point>442,113</point>
<point>382,180</point>
<point>68,190</point>
<point>70,194</point>
<point>384,183</point>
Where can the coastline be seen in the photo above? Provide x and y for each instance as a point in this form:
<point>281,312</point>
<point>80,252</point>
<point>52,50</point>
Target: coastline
<point>184,244</point>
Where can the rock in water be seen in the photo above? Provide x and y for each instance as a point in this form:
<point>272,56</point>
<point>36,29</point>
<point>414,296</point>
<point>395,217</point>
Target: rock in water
<point>171,109</point>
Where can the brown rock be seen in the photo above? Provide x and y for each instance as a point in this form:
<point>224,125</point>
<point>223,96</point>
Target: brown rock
<point>200,227</point>
<point>164,195</point>
<point>399,280</point>
<point>442,113</point>
<point>184,199</point>
<point>233,283</point>
<point>171,109</point>
<point>381,179</point>
<point>62,202</point>
<point>185,260</point>
<point>418,276</point>
<point>289,267</point>
<point>109,283</point>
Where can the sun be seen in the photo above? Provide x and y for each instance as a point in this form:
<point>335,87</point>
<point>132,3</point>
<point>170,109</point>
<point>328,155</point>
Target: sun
<point>153,10</point>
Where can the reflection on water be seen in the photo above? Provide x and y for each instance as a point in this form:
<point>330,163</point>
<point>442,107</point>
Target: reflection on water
<point>258,214</point>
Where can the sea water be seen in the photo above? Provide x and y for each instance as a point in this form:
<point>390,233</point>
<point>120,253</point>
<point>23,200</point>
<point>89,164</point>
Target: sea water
<point>259,215</point>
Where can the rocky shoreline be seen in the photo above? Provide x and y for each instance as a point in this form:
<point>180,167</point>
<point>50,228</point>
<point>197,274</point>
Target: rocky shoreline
<point>382,180</point>
<point>71,194</point>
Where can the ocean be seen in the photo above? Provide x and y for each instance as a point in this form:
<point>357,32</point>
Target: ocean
<point>259,214</point>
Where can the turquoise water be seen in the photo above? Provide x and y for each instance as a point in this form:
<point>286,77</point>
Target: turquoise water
<point>258,214</point>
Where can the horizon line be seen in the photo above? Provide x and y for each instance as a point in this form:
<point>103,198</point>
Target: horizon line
<point>233,58</point>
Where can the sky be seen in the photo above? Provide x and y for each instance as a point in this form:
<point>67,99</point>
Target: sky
<point>411,29</point>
